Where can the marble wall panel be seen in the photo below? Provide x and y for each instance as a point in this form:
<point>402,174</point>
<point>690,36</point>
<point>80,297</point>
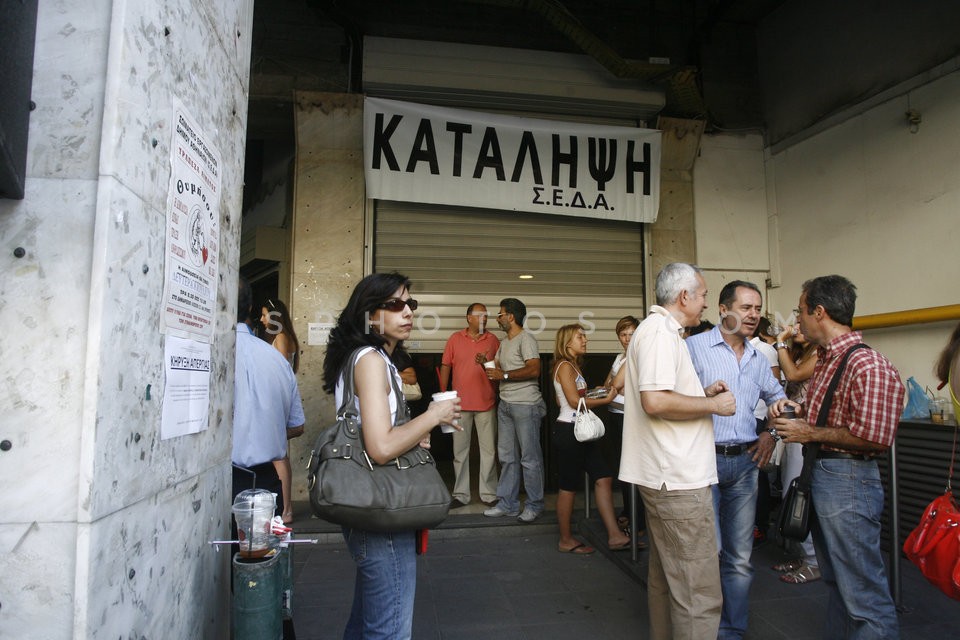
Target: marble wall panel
<point>151,572</point>
<point>37,581</point>
<point>166,51</point>
<point>43,302</point>
<point>68,89</point>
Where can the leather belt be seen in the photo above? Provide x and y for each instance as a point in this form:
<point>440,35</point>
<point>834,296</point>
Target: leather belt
<point>733,449</point>
<point>842,455</point>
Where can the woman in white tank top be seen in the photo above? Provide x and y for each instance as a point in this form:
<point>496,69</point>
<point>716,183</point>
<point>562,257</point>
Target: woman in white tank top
<point>378,316</point>
<point>573,457</point>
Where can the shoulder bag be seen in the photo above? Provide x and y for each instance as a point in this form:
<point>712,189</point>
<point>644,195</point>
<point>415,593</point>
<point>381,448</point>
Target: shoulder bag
<point>411,392</point>
<point>347,488</point>
<point>934,546</point>
<point>793,521</point>
<point>587,425</point>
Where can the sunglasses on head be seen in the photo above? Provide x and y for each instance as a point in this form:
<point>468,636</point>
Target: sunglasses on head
<point>397,304</point>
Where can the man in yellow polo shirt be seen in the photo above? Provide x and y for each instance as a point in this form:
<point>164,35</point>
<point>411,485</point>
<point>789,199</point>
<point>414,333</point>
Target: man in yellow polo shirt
<point>668,451</point>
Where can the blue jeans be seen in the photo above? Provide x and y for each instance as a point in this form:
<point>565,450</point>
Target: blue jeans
<point>518,446</point>
<point>847,503</point>
<point>735,503</point>
<point>385,586</point>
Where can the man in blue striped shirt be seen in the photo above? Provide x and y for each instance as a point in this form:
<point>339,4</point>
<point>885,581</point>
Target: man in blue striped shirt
<point>725,353</point>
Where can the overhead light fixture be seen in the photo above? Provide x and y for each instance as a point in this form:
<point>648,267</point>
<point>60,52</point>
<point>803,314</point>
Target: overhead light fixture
<point>526,276</point>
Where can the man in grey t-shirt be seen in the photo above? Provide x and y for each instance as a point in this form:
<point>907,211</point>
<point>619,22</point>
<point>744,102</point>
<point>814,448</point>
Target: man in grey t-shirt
<point>518,416</point>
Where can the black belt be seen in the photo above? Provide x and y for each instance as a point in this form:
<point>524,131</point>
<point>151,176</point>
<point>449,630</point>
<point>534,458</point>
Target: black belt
<point>840,455</point>
<point>734,449</point>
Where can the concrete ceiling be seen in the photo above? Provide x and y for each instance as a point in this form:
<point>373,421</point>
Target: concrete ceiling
<point>710,46</point>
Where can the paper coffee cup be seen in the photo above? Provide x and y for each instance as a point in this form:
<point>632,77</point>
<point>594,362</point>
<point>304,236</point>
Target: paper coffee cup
<point>490,364</point>
<point>445,395</point>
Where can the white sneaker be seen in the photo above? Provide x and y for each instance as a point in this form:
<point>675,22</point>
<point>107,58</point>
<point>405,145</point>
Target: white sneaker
<point>528,515</point>
<point>497,512</point>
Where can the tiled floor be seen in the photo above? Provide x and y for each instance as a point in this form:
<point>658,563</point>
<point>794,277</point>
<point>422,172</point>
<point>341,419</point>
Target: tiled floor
<point>488,578</point>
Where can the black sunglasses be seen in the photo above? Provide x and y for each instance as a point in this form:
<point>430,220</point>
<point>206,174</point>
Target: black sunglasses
<point>397,304</point>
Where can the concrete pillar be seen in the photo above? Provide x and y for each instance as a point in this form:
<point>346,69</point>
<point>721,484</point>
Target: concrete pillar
<point>672,237</point>
<point>328,241</point>
<point>103,525</point>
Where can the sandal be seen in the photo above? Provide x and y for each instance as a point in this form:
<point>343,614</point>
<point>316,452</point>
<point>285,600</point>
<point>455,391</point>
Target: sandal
<point>788,566</point>
<point>806,573</point>
<point>579,549</point>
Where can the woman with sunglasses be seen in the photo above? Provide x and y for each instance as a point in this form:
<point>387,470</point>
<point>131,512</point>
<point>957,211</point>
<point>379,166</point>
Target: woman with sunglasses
<point>378,316</point>
<point>574,457</point>
<point>278,331</point>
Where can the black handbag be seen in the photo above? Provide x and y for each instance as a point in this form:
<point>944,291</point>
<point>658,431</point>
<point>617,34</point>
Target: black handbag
<point>346,487</point>
<point>793,521</point>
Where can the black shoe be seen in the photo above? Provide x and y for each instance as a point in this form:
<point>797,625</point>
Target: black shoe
<point>456,504</point>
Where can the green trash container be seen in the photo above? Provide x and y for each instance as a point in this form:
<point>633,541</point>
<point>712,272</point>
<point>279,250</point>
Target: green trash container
<point>257,606</point>
<point>286,587</point>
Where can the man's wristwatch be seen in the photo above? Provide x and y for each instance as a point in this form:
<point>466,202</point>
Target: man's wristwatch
<point>780,345</point>
<point>506,376</point>
<point>773,433</point>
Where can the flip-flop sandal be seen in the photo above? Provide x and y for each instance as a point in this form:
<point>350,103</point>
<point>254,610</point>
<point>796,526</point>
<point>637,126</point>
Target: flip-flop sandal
<point>641,545</point>
<point>788,566</point>
<point>806,573</point>
<point>579,550</point>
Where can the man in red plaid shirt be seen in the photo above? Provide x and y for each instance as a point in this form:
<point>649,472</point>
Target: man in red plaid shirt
<point>846,490</point>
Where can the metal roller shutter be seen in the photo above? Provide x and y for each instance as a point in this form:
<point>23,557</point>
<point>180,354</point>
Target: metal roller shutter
<point>583,270</point>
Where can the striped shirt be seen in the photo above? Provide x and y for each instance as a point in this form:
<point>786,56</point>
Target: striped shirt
<point>749,379</point>
<point>869,398</point>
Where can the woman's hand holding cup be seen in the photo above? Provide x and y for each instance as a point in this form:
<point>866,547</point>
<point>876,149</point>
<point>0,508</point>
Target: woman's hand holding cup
<point>446,407</point>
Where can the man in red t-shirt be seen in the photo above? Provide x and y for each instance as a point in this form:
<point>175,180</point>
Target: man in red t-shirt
<point>464,354</point>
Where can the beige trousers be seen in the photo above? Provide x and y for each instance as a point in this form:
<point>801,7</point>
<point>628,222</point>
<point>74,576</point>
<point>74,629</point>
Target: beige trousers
<point>486,428</point>
<point>683,584</point>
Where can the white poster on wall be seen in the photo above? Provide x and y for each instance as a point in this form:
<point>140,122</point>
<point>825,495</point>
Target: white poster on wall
<point>422,153</point>
<point>193,230</point>
<point>186,391</point>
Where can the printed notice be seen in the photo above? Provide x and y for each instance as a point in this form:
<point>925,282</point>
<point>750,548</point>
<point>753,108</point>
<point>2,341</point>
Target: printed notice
<point>318,333</point>
<point>193,230</point>
<point>186,395</point>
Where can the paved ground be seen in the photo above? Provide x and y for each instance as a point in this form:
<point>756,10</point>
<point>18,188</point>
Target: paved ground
<point>486,578</point>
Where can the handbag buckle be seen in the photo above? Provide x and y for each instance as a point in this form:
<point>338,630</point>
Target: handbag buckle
<point>401,466</point>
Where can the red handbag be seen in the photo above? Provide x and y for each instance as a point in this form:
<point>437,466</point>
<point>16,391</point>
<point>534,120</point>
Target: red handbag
<point>934,546</point>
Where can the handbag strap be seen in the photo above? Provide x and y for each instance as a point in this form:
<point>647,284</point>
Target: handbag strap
<point>581,406</point>
<point>811,450</point>
<point>956,418</point>
<point>581,403</point>
<point>348,402</point>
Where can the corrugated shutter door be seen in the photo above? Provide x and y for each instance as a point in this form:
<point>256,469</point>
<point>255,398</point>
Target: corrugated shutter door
<point>583,270</point>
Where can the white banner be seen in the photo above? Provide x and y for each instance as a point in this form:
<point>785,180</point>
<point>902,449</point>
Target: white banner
<point>421,153</point>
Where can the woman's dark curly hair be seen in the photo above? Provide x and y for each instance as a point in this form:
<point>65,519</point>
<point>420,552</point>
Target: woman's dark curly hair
<point>353,326</point>
<point>947,356</point>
